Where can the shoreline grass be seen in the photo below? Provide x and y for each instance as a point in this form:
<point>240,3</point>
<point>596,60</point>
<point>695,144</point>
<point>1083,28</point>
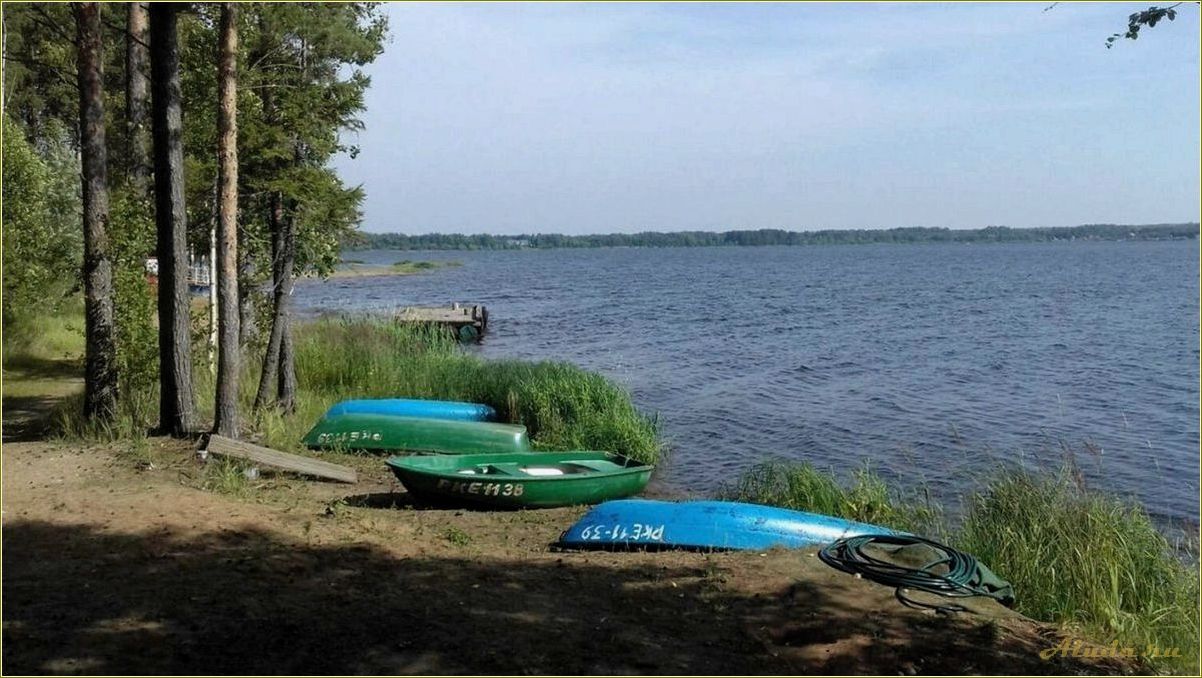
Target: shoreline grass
<point>561,405</point>
<point>1078,558</point>
<point>357,268</point>
<point>1081,559</point>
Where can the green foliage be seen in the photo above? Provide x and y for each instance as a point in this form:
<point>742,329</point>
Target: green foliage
<point>301,86</point>
<point>137,411</point>
<point>40,90</point>
<point>406,266</point>
<point>867,499</point>
<point>43,235</point>
<point>1148,17</point>
<point>1078,558</point>
<point>226,476</point>
<point>457,537</point>
<point>1085,559</point>
<point>563,406</point>
<point>305,88</point>
<point>59,339</point>
<point>132,237</point>
<point>767,236</point>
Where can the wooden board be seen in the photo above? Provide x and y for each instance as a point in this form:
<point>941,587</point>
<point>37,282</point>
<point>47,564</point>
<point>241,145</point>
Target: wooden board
<point>228,447</point>
<point>437,315</point>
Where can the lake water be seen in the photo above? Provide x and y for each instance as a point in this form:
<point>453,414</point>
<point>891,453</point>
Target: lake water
<point>934,362</point>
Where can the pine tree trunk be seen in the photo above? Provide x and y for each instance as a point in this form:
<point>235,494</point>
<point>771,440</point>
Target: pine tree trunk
<point>287,378</point>
<point>228,341</point>
<point>248,328</point>
<point>176,411</point>
<point>136,97</point>
<point>268,386</point>
<point>100,362</point>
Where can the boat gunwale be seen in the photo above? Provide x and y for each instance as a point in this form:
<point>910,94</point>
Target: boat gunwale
<point>637,468</point>
<point>491,425</point>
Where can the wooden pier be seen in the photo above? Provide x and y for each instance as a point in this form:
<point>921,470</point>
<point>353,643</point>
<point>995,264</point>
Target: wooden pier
<point>467,322</point>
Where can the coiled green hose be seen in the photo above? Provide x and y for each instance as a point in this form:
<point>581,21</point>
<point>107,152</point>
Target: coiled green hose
<point>965,576</point>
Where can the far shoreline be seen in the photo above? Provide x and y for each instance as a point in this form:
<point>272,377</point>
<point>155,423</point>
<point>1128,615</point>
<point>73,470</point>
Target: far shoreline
<point>358,269</point>
<point>774,237</point>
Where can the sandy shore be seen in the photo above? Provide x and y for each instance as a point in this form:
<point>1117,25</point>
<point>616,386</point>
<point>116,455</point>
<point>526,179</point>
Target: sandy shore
<point>119,561</point>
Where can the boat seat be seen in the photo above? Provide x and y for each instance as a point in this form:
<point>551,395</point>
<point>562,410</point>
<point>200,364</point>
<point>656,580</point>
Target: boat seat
<point>564,469</point>
<point>489,470</point>
<point>540,470</point>
<point>595,465</point>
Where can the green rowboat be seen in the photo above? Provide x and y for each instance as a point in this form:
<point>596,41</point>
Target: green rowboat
<point>530,480</point>
<point>389,432</point>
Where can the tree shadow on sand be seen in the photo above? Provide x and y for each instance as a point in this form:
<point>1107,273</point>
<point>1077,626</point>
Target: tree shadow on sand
<point>81,600</point>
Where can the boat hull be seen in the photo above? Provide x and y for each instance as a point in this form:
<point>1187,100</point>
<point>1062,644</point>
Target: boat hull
<point>390,433</point>
<point>459,479</point>
<point>409,407</point>
<point>706,525</point>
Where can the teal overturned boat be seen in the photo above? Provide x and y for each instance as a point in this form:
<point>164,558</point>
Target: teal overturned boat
<point>707,526</point>
<point>415,407</point>
<point>383,432</point>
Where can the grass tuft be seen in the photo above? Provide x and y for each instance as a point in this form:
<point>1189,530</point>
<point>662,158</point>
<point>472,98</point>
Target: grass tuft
<point>458,537</point>
<point>561,405</point>
<point>1088,561</point>
<point>866,499</point>
<point>226,476</point>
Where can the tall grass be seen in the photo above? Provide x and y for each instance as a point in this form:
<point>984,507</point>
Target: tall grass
<point>866,499</point>
<point>137,413</point>
<point>561,405</point>
<point>1075,557</point>
<point>33,342</point>
<point>1087,560</point>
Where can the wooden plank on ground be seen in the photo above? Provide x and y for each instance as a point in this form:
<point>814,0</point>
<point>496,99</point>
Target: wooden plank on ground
<point>228,447</point>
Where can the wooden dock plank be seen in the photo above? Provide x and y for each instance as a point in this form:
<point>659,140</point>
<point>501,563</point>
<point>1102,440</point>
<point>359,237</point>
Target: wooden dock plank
<point>228,447</point>
<point>435,315</point>
<point>457,317</point>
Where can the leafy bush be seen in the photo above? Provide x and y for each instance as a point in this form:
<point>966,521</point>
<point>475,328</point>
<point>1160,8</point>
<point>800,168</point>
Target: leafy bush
<point>43,235</point>
<point>132,237</point>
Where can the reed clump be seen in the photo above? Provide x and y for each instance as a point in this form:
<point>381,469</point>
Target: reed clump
<point>1089,561</point>
<point>561,405</point>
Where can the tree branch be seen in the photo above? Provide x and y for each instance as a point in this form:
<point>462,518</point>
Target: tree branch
<point>41,66</point>
<point>50,23</point>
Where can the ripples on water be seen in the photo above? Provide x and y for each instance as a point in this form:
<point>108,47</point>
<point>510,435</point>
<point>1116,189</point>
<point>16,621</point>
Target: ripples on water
<point>931,360</point>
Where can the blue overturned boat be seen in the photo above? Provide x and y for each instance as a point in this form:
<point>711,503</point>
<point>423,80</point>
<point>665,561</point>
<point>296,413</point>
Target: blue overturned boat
<point>706,525</point>
<point>412,407</point>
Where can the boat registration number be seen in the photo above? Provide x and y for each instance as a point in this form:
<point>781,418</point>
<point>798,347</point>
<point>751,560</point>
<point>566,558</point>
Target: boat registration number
<point>486,489</point>
<point>630,532</point>
<point>349,436</point>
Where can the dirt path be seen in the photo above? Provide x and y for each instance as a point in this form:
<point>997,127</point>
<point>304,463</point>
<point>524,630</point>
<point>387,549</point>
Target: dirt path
<point>32,389</point>
<point>116,562</point>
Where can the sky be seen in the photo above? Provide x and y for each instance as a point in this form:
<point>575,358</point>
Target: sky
<point>602,118</point>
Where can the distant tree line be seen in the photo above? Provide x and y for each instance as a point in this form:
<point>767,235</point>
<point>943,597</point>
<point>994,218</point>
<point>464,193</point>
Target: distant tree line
<point>769,236</point>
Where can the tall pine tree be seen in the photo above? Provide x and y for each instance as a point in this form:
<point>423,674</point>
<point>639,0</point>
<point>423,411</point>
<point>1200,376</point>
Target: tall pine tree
<point>100,361</point>
<point>176,404</point>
